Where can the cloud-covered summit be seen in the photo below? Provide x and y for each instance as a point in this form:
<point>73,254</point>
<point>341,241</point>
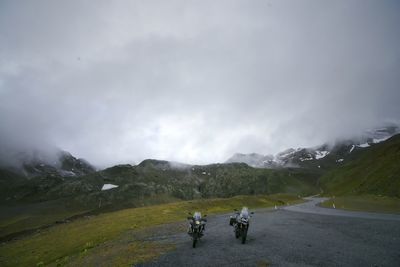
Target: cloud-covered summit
<point>194,81</point>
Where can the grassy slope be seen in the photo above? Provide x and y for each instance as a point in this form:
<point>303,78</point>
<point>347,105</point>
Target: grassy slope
<point>15,219</point>
<point>376,171</point>
<point>365,203</point>
<point>18,218</point>
<point>71,241</point>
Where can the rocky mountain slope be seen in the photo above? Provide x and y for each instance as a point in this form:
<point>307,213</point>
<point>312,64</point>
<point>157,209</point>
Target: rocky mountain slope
<point>130,185</point>
<point>322,156</point>
<point>64,165</point>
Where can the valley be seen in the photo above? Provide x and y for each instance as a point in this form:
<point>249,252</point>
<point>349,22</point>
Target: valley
<point>97,209</point>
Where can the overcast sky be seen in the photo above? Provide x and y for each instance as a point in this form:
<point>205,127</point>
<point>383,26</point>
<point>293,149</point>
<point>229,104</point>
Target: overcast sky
<point>194,81</point>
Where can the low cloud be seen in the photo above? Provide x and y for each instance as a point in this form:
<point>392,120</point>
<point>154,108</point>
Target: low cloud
<point>194,81</point>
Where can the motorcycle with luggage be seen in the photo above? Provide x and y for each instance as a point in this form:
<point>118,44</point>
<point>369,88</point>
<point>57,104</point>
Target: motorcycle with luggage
<point>241,223</point>
<point>196,226</point>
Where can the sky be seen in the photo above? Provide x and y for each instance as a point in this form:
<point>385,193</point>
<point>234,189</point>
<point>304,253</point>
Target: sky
<point>194,81</point>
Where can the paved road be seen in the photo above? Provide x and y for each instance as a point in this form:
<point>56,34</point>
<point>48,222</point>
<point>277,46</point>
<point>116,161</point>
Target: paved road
<point>310,207</point>
<point>300,235</point>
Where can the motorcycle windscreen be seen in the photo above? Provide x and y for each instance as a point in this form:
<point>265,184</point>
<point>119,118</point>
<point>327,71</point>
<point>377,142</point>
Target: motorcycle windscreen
<point>244,213</point>
<point>197,216</point>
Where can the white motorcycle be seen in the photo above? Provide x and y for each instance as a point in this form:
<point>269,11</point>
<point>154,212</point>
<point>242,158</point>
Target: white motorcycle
<point>196,226</point>
<point>241,222</point>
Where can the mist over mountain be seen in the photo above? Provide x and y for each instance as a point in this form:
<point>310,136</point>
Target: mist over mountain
<point>33,163</point>
<point>118,119</point>
<point>302,157</point>
<point>301,171</point>
<point>194,82</point>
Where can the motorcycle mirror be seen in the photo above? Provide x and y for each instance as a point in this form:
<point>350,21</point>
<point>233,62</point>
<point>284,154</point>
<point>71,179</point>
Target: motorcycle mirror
<point>252,212</point>
<point>189,213</point>
<point>205,215</point>
<point>235,209</point>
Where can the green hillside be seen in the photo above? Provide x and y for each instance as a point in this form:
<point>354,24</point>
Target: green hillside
<point>375,171</point>
<point>153,178</point>
<point>369,203</point>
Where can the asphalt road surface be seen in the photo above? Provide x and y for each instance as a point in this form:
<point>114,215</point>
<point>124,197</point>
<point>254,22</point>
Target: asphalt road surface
<point>299,235</point>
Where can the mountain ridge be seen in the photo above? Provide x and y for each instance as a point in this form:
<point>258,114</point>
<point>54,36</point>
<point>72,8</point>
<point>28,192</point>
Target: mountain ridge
<point>299,157</point>
<point>369,170</point>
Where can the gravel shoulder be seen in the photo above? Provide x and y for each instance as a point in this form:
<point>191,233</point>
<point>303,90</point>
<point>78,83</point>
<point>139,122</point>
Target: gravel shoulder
<point>299,235</point>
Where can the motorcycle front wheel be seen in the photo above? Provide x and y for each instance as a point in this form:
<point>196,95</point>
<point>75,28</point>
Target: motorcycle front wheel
<point>194,239</point>
<point>244,236</point>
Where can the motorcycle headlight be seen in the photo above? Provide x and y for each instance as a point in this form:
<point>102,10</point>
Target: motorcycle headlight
<point>197,222</point>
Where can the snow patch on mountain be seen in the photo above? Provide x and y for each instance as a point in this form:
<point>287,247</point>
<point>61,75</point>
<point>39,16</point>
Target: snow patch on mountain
<point>376,141</point>
<point>288,153</point>
<point>321,154</point>
<point>308,157</point>
<point>108,187</point>
<point>363,145</point>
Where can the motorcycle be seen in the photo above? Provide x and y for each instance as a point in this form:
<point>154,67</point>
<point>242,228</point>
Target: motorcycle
<point>241,222</point>
<point>196,226</point>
